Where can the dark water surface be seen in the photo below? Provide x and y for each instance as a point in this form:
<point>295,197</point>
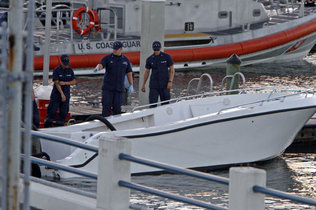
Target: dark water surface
<point>291,172</point>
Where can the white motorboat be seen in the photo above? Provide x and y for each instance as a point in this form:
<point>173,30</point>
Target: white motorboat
<point>201,131</point>
<point>198,34</point>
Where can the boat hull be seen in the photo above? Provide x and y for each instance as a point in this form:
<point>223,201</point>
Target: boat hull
<point>236,135</point>
<point>222,143</point>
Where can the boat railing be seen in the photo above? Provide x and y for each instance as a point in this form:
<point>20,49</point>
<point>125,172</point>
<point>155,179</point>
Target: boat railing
<point>202,95</point>
<point>269,99</point>
<point>240,91</point>
<point>233,79</point>
<point>110,28</point>
<point>62,28</point>
<point>200,79</point>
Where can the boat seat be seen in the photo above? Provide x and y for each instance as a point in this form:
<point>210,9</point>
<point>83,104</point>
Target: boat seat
<point>199,110</point>
<point>135,115</point>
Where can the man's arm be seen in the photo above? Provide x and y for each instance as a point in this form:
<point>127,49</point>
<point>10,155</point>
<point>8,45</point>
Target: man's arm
<point>171,76</point>
<point>146,74</point>
<point>72,82</point>
<point>130,78</point>
<point>63,97</point>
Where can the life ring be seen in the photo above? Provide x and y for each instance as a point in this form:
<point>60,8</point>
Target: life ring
<point>78,14</point>
<point>97,21</point>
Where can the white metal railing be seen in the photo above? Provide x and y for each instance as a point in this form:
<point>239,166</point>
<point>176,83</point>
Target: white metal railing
<point>269,99</point>
<point>62,25</point>
<point>200,83</point>
<point>233,79</point>
<point>202,95</point>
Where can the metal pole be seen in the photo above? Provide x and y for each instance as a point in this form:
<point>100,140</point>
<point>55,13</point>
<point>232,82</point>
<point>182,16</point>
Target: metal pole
<point>14,101</point>
<point>47,41</point>
<point>4,127</point>
<point>153,29</point>
<point>28,86</point>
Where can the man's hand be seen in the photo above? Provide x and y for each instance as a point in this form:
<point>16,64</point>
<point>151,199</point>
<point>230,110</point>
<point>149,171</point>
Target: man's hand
<point>131,89</point>
<point>169,85</point>
<point>143,89</point>
<point>63,98</point>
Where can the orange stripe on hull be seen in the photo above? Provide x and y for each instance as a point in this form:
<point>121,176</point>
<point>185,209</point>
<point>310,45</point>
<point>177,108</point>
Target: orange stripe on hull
<point>196,54</point>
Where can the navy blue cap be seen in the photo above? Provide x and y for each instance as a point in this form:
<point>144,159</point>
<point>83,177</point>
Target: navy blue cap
<point>117,45</point>
<point>36,48</point>
<point>65,60</point>
<point>156,45</point>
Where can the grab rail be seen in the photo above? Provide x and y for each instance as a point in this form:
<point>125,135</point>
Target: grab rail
<point>225,92</point>
<point>282,98</point>
<point>200,96</point>
<point>233,80</point>
<point>200,82</point>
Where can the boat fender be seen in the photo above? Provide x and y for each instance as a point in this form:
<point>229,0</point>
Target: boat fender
<point>102,119</point>
<point>78,14</point>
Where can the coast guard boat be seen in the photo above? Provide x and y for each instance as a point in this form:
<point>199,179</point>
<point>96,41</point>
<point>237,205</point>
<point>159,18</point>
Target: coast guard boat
<point>199,33</point>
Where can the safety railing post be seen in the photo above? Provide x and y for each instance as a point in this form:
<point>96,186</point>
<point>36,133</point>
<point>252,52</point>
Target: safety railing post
<point>241,182</point>
<point>111,169</point>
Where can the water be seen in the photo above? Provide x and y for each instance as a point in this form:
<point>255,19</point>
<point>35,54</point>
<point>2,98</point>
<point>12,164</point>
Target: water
<point>291,172</point>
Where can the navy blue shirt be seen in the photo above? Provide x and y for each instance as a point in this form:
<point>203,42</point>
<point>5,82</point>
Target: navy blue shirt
<point>159,66</point>
<point>116,68</point>
<point>65,75</point>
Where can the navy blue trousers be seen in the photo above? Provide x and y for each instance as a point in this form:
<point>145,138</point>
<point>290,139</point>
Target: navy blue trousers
<point>36,119</point>
<point>111,99</point>
<point>154,93</point>
<point>52,108</point>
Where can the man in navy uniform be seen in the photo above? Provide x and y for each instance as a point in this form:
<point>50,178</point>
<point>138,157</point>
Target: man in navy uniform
<point>116,67</point>
<point>63,77</point>
<point>160,80</point>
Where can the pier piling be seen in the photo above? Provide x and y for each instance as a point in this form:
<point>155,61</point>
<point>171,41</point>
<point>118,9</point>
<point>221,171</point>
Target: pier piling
<point>241,181</point>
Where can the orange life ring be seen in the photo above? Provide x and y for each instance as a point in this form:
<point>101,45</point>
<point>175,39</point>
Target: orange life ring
<point>78,14</point>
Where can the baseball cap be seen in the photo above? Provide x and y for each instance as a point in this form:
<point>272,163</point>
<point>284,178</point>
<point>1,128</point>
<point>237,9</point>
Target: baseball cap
<point>156,45</point>
<point>117,45</point>
<point>65,59</point>
<point>36,48</point>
